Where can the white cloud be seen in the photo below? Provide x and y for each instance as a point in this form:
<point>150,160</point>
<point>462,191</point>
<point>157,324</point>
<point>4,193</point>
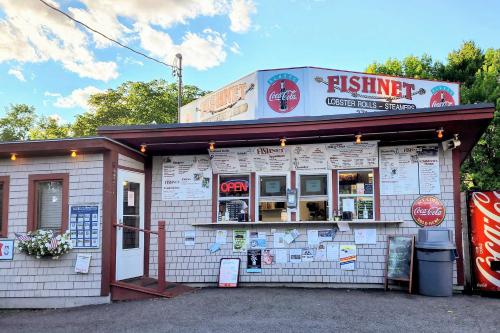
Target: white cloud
<point>17,73</point>
<point>51,94</point>
<point>235,48</point>
<point>240,15</point>
<point>77,98</point>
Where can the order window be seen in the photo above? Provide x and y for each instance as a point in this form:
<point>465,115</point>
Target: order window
<point>2,189</point>
<point>272,198</point>
<point>48,204</point>
<point>234,198</point>
<point>313,197</point>
<point>356,193</point>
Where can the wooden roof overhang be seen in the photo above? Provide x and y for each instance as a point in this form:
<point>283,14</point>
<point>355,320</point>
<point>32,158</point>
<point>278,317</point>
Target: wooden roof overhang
<point>389,127</point>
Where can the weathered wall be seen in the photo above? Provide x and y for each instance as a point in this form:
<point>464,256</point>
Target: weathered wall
<point>26,277</point>
<point>195,264</point>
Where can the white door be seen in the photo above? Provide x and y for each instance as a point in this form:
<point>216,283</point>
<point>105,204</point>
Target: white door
<point>130,212</point>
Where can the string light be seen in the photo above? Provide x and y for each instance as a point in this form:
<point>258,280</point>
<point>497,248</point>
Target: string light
<point>143,148</point>
<point>440,133</point>
<point>283,142</point>
<point>358,138</point>
<point>13,157</point>
<point>73,153</point>
<point>211,145</point>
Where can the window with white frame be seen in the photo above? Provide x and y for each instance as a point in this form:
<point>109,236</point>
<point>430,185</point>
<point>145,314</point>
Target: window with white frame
<point>356,193</point>
<point>272,198</point>
<point>313,197</point>
<point>234,198</point>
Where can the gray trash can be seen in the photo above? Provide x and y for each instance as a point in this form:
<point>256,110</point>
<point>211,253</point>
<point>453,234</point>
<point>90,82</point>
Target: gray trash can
<point>435,255</point>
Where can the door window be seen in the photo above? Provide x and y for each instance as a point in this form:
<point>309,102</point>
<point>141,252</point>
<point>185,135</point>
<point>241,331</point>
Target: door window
<point>131,214</point>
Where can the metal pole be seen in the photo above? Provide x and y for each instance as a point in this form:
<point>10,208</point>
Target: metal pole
<point>179,90</point>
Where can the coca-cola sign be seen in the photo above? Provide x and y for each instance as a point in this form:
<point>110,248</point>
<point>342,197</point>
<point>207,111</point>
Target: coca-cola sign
<point>428,211</point>
<point>441,96</point>
<point>283,94</point>
<point>485,239</point>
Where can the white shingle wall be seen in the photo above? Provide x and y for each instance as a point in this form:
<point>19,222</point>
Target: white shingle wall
<point>27,276</point>
<point>195,264</point>
<point>129,162</point>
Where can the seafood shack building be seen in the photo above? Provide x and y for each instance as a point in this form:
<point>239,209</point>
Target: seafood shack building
<point>301,173</point>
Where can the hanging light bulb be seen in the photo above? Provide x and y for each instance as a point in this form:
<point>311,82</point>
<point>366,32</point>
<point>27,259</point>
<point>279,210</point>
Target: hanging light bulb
<point>13,156</point>
<point>358,138</point>
<point>73,153</point>
<point>440,133</point>
<point>143,148</point>
<point>283,142</point>
<point>211,145</point>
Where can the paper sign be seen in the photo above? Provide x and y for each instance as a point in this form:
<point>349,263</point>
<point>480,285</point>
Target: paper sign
<point>281,256</point>
<point>221,237</point>
<point>343,226</point>
<point>214,247</point>
<point>229,272</point>
<point>6,249</point>
<point>267,257</point>
<point>326,235</point>
<point>365,236</point>
<point>312,238</point>
<point>130,198</point>
<point>348,205</point>
<point>332,252</point>
<point>347,257</point>
<point>295,255</point>
<point>82,264</point>
<point>189,237</point>
<point>239,240</point>
<point>279,240</point>
<point>291,235</point>
<point>320,253</point>
<point>254,261</point>
<point>257,240</point>
<point>307,255</point>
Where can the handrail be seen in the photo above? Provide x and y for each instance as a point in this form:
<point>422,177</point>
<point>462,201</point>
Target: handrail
<point>161,249</point>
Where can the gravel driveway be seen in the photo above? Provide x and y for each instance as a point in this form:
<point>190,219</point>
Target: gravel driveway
<point>269,310</point>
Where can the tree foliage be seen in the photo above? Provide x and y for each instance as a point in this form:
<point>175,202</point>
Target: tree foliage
<point>479,75</point>
<point>17,122</point>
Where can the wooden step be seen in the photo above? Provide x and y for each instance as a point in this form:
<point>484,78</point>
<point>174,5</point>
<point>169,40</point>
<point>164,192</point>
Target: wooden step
<point>145,287</point>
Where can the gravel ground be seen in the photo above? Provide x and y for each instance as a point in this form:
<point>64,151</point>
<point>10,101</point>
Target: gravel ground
<point>269,310</point>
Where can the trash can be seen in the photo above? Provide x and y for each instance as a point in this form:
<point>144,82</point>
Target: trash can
<point>435,256</point>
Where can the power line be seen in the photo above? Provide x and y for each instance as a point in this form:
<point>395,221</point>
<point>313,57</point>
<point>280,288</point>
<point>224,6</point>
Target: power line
<point>108,38</point>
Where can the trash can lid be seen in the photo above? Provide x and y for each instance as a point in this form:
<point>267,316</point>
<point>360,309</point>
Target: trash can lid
<point>435,239</point>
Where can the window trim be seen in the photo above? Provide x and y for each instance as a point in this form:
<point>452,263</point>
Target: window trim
<point>5,180</point>
<point>32,198</point>
<point>249,197</point>
<point>329,189</point>
<point>287,176</point>
<point>373,195</point>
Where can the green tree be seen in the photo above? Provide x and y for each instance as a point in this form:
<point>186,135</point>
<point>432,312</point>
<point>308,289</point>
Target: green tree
<point>49,128</point>
<point>134,103</point>
<point>19,119</point>
<point>479,75</point>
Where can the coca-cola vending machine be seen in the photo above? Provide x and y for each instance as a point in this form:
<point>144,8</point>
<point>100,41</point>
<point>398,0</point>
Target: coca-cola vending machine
<point>484,217</point>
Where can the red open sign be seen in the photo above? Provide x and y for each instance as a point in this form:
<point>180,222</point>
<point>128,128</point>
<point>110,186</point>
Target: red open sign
<point>237,185</point>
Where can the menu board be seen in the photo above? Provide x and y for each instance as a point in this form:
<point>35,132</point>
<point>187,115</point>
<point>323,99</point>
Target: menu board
<point>344,155</point>
<point>309,157</point>
<point>409,170</point>
<point>399,263</point>
<point>84,226</point>
<point>271,159</point>
<point>231,160</point>
<point>229,272</point>
<point>186,178</point>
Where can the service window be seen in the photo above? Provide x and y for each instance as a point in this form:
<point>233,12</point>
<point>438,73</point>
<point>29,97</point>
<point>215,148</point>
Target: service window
<point>313,197</point>
<point>234,198</point>
<point>272,198</point>
<point>48,205</point>
<point>356,193</point>
<point>3,206</point>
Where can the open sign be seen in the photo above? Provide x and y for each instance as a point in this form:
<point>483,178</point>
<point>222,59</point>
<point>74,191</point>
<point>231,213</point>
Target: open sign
<point>234,185</point>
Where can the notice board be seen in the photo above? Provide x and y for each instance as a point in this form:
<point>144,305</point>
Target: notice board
<point>84,226</point>
<point>399,261</point>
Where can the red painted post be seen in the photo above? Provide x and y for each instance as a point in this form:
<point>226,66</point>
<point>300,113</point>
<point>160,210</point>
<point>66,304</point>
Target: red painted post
<point>161,255</point>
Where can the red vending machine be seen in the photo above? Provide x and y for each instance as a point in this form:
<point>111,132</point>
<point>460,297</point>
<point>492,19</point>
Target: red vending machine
<point>484,210</point>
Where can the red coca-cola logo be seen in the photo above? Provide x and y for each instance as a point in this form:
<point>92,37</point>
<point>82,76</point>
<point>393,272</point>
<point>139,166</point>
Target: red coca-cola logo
<point>428,211</point>
<point>283,94</point>
<point>485,238</point>
<point>441,96</point>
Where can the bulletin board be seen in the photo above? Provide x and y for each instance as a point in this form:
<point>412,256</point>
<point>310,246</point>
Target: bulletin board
<point>84,225</point>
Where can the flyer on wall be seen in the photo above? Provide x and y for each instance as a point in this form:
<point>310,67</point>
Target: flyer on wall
<point>254,261</point>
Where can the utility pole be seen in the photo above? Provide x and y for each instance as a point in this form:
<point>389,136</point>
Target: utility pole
<point>179,89</point>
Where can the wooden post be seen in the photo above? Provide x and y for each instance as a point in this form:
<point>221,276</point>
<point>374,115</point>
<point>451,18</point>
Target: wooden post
<point>161,255</point>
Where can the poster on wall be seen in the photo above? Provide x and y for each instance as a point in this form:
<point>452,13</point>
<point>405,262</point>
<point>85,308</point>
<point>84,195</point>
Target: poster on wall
<point>84,226</point>
<point>343,155</point>
<point>231,160</point>
<point>240,239</point>
<point>309,157</point>
<point>6,249</point>
<point>409,170</point>
<point>254,261</point>
<point>186,178</point>
<point>347,257</point>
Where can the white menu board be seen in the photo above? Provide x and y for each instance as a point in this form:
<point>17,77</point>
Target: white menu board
<point>309,157</point>
<point>409,170</point>
<point>186,178</point>
<point>231,160</point>
<point>271,159</point>
<point>343,155</point>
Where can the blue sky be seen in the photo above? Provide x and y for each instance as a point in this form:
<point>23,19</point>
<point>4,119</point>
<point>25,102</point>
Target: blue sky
<point>53,64</point>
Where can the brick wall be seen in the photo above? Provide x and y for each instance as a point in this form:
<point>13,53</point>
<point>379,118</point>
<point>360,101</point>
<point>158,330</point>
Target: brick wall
<point>27,276</point>
<point>195,264</point>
